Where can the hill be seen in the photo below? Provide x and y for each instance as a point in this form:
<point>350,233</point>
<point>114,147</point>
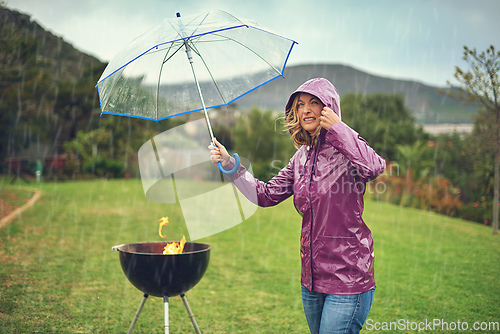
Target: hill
<point>427,103</point>
<point>26,45</point>
<point>46,86</point>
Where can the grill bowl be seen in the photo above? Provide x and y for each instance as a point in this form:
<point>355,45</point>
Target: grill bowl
<point>163,275</point>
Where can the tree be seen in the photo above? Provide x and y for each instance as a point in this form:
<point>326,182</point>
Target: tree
<point>382,120</point>
<point>264,141</point>
<point>414,157</point>
<point>480,84</point>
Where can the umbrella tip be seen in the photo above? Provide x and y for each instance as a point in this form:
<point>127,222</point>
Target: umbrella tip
<point>178,14</point>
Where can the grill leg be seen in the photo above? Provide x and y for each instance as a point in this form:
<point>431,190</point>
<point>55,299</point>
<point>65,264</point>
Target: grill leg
<point>165,302</point>
<point>141,305</point>
<point>191,316</point>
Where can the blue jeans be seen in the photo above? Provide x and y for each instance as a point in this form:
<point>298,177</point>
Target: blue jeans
<point>336,313</point>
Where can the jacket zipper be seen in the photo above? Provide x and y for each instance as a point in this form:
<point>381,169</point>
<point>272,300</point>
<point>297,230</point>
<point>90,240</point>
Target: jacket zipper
<point>313,172</point>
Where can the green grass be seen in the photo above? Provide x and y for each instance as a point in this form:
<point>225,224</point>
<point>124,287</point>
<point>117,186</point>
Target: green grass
<point>58,273</point>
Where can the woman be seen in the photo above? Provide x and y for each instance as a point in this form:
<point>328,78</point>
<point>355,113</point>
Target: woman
<point>327,177</point>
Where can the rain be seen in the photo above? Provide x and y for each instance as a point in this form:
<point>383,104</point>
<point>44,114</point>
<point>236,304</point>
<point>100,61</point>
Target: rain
<point>77,183</point>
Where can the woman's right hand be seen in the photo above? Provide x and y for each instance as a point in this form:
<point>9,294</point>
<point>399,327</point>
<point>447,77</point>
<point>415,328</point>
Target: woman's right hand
<point>218,154</point>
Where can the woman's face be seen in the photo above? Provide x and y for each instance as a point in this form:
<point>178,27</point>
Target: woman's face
<point>309,110</point>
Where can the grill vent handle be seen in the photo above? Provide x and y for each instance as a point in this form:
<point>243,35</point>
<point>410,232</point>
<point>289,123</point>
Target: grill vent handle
<point>115,248</point>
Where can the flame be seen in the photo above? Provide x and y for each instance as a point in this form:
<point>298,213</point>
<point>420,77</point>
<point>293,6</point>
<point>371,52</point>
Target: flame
<point>171,247</point>
<point>175,247</point>
<point>163,222</point>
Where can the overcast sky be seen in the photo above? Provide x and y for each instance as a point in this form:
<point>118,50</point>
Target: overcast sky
<point>420,40</point>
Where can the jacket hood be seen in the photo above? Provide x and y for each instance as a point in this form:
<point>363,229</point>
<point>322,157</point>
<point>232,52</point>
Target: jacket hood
<point>323,90</point>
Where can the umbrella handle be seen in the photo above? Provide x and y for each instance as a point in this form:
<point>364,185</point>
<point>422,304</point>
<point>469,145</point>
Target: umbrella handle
<point>236,165</point>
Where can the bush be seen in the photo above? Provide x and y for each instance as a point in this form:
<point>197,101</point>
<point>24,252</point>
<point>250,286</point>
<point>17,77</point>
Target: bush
<point>104,167</point>
<point>480,212</point>
<point>436,194</point>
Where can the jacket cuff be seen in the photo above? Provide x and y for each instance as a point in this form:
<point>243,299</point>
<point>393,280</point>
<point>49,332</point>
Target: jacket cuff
<point>230,165</point>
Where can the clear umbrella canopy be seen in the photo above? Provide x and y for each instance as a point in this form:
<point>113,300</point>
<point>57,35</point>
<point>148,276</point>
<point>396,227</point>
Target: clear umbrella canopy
<point>152,78</point>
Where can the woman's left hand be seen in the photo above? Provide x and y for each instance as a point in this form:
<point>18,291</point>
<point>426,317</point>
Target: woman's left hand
<point>328,118</point>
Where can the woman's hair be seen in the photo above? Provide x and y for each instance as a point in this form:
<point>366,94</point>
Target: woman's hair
<point>299,135</point>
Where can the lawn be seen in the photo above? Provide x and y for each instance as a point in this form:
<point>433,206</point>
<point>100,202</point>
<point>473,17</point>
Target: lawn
<point>58,273</point>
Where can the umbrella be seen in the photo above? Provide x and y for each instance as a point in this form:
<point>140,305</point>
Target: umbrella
<point>189,64</point>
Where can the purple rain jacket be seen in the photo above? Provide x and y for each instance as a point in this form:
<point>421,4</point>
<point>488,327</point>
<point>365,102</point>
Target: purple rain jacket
<point>327,182</point>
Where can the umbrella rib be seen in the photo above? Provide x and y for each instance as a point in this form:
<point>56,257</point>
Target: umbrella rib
<point>181,34</point>
<point>209,72</point>
<point>252,51</point>
<point>223,37</point>
<point>165,59</point>
<point>199,25</point>
<point>173,54</point>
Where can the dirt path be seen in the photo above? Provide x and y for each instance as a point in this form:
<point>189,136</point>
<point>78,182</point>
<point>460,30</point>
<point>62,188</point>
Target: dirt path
<point>12,215</point>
